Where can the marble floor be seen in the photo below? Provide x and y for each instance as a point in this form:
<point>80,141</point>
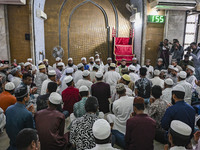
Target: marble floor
<point>4,142</point>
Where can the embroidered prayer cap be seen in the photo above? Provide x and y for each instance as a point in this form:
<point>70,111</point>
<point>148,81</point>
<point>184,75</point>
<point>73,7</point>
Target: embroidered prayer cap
<point>120,87</point>
<point>52,72</point>
<point>126,77</point>
<point>156,72</point>
<point>68,79</point>
<point>182,74</point>
<point>42,67</point>
<point>169,81</point>
<point>86,73</point>
<point>178,88</point>
<point>99,74</point>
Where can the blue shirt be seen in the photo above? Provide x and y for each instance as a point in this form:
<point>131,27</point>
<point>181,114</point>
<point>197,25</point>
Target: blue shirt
<point>180,111</point>
<point>17,118</point>
<point>86,67</point>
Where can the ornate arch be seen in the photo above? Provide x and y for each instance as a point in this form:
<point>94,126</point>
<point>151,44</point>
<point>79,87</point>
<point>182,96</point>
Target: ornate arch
<point>105,16</point>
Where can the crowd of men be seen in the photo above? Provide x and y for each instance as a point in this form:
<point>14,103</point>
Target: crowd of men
<point>125,105</point>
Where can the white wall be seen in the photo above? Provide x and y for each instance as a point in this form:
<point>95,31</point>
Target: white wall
<point>39,30</point>
<point>175,25</point>
<point>4,50</point>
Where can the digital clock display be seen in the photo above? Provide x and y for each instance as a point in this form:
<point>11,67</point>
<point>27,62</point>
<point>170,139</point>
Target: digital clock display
<point>156,19</point>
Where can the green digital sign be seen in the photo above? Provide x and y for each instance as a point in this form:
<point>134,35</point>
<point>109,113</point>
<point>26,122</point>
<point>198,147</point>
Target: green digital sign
<point>156,19</point>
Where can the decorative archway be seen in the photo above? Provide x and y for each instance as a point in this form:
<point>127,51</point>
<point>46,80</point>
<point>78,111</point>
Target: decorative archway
<point>105,16</point>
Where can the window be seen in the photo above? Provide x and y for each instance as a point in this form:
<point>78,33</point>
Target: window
<point>191,29</point>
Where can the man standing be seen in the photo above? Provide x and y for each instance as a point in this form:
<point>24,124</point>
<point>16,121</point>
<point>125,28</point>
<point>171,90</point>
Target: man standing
<point>98,63</point>
<point>134,76</point>
<point>190,77</point>
<point>40,78</point>
<point>157,80</point>
<point>140,128</point>
<point>18,117</point>
<point>177,51</point>
<point>143,86</point>
<point>50,125</point>
<point>101,91</point>
<point>111,77</point>
<point>196,58</point>
<point>122,66</point>
<point>135,63</point>
<point>78,73</point>
<point>51,78</point>
<point>179,111</point>
<point>187,86</point>
<point>149,69</point>
<point>91,63</point>
<point>59,71</point>
<point>107,66</point>
<point>70,95</point>
<point>85,81</point>
<point>71,64</point>
<point>167,92</point>
<point>84,62</point>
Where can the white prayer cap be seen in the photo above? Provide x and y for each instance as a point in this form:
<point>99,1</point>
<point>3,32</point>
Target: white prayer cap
<point>97,60</point>
<point>160,59</point>
<point>175,69</point>
<point>191,68</point>
<point>156,72</point>
<point>101,129</point>
<point>91,57</point>
<point>86,73</point>
<point>9,86</point>
<point>99,74</point>
<point>183,74</point>
<point>27,64</point>
<point>59,64</point>
<point>69,70</point>
<point>169,81</point>
<point>58,58</point>
<point>68,79</point>
<point>97,55</point>
<point>181,128</point>
<point>55,98</point>
<point>39,61</point>
<point>179,88</point>
<point>83,89</point>
<point>80,65</point>
<point>170,67</point>
<point>29,59</point>
<point>83,58</point>
<point>109,58</point>
<point>112,65</point>
<point>132,68</point>
<point>134,58</point>
<point>70,59</point>
<point>52,72</point>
